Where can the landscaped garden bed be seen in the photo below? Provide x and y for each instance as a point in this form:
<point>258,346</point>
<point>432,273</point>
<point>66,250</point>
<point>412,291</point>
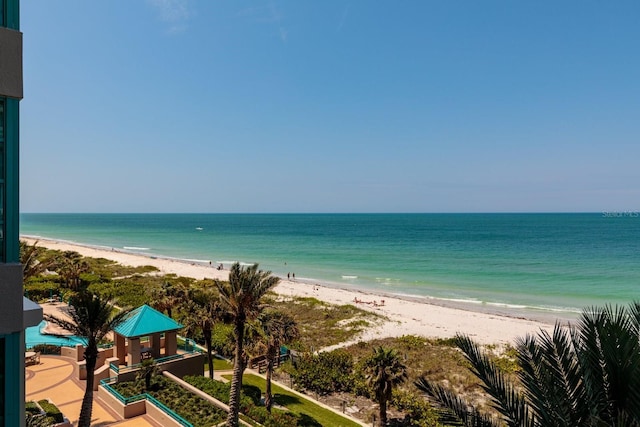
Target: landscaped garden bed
<point>45,412</point>
<point>192,408</point>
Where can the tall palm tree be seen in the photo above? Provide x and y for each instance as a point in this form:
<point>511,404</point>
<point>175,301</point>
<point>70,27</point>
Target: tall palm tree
<point>202,309</point>
<point>91,317</point>
<point>276,328</point>
<point>241,297</point>
<point>587,374</point>
<point>383,372</point>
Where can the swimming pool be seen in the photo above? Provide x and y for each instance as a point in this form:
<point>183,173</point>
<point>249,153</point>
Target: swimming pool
<point>33,337</point>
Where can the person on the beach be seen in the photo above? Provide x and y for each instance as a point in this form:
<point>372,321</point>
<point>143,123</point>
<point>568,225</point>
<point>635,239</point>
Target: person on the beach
<point>288,276</point>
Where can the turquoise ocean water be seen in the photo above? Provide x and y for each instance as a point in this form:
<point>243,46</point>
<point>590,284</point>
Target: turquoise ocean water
<point>545,263</point>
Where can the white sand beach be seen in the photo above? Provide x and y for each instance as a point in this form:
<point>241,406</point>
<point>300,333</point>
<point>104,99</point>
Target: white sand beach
<point>406,316</point>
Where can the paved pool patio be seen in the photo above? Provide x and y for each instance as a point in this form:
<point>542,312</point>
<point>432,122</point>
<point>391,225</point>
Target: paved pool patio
<point>54,379</point>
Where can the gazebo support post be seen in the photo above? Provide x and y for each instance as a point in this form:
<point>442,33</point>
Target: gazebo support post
<point>134,351</point>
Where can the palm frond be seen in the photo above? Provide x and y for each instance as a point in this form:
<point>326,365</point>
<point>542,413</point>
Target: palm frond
<point>506,399</point>
<point>613,354</point>
<point>551,377</point>
<point>454,410</point>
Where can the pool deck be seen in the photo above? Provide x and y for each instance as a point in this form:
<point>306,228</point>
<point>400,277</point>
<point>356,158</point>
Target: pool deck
<point>59,310</point>
<point>54,379</point>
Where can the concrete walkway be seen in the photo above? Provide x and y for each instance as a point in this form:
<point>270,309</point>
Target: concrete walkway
<point>54,379</point>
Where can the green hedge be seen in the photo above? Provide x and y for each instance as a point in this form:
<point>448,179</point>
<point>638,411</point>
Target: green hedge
<point>32,407</point>
<point>51,410</point>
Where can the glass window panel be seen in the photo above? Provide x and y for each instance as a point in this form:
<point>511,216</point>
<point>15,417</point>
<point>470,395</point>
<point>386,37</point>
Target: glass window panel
<point>1,117</point>
<point>2,177</point>
<point>2,376</point>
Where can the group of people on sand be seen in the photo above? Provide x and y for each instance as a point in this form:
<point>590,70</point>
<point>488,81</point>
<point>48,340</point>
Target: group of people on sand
<point>219,267</point>
<point>374,302</point>
<point>291,276</point>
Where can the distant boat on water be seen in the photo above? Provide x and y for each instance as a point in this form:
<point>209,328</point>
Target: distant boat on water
<point>199,228</point>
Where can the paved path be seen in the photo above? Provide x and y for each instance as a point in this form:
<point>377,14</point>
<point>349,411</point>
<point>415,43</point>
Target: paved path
<point>54,379</point>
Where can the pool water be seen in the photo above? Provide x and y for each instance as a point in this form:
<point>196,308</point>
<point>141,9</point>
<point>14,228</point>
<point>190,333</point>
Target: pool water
<point>34,336</point>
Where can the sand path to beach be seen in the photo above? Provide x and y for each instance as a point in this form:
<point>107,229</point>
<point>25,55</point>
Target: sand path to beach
<point>406,316</point>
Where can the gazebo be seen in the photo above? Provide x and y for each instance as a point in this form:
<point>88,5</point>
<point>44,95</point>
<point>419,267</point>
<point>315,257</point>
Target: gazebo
<point>142,322</point>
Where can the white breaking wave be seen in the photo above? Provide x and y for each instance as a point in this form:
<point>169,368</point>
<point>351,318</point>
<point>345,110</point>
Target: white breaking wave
<point>199,261</point>
<point>135,248</point>
<point>242,263</point>
<point>349,277</point>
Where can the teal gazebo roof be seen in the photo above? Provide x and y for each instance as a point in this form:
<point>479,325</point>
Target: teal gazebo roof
<point>145,320</point>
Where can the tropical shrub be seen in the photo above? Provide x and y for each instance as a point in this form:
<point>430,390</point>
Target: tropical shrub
<point>325,372</point>
<point>41,290</point>
<point>130,292</point>
<point>222,339</point>
<point>418,412</point>
<point>87,279</point>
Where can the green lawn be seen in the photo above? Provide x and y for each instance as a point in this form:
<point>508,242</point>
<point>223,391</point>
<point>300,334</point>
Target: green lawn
<point>297,404</point>
<point>219,365</point>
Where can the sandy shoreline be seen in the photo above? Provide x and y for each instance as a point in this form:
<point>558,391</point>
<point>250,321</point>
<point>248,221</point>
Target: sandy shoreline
<point>407,316</point>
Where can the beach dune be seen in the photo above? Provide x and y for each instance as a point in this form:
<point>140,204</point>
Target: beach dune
<point>404,316</point>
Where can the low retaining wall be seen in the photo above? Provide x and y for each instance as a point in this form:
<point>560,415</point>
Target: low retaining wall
<point>125,411</point>
<point>160,416</point>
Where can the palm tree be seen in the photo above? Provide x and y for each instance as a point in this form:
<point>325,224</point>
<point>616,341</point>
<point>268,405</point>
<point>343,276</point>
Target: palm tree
<point>167,297</point>
<point>148,368</point>
<point>587,374</point>
<point>31,265</point>
<point>91,317</point>
<point>241,297</point>
<point>276,328</point>
<point>71,266</point>
<point>202,309</point>
<point>383,372</point>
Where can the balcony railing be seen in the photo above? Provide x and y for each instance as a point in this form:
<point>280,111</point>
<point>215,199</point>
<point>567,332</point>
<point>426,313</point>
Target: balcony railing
<point>118,370</point>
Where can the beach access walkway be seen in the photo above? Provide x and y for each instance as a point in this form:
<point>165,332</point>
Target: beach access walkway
<point>54,379</point>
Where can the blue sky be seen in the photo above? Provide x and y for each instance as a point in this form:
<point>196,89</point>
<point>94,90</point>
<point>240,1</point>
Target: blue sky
<point>330,106</point>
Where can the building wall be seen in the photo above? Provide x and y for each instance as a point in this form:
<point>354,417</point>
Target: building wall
<point>11,303</point>
<point>11,64</point>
